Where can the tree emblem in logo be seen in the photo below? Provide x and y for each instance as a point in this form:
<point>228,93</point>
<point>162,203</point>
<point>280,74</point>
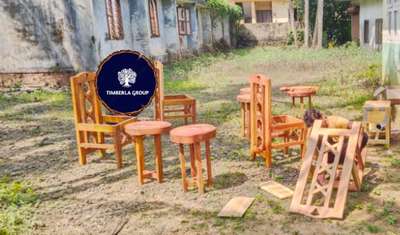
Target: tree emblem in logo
<point>127,77</point>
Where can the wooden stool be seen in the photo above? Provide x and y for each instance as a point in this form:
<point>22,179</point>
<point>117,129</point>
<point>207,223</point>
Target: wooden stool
<point>244,101</point>
<point>138,130</point>
<point>244,91</point>
<point>301,92</point>
<point>194,135</point>
<point>377,118</point>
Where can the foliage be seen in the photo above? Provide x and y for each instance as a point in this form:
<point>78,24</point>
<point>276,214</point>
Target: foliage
<point>337,23</point>
<point>16,200</point>
<point>223,8</point>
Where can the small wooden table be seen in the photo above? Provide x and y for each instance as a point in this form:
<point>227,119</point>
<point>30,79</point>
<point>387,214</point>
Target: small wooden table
<point>300,92</point>
<point>377,118</point>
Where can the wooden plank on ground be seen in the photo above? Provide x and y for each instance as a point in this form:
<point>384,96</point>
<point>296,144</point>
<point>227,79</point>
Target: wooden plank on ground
<point>236,207</point>
<point>278,190</point>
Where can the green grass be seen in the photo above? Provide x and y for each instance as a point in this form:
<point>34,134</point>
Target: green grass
<point>16,201</point>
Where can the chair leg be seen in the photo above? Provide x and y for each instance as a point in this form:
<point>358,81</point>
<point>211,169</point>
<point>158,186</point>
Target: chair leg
<point>139,158</point>
<point>118,148</point>
<point>100,140</point>
<point>186,111</point>
<point>247,121</point>
<point>242,120</point>
<point>183,167</point>
<point>192,161</point>
<point>199,176</point>
<point>286,140</point>
<point>82,156</point>
<point>208,159</point>
<point>304,140</point>
<point>193,112</point>
<point>267,154</point>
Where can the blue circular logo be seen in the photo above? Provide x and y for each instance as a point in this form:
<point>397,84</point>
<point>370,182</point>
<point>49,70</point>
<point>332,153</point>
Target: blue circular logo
<point>126,82</point>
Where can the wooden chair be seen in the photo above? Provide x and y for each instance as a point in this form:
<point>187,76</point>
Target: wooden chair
<point>314,194</point>
<point>92,127</point>
<point>265,128</point>
<point>169,107</point>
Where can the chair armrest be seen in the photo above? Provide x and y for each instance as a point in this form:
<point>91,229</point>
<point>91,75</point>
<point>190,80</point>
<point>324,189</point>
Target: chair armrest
<point>95,127</point>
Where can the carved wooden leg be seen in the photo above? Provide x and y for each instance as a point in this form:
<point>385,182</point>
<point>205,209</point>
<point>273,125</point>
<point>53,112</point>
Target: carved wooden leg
<point>267,154</point>
<point>82,156</point>
<point>140,158</point>
<point>199,176</point>
<point>118,148</point>
<point>209,168</point>
<point>183,167</point>
<point>158,153</point>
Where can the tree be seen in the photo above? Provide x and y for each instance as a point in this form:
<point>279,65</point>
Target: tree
<point>292,22</point>
<point>306,23</point>
<point>319,25</point>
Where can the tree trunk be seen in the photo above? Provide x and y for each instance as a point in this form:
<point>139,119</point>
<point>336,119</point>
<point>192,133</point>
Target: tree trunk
<point>319,25</point>
<point>306,23</point>
<point>292,22</point>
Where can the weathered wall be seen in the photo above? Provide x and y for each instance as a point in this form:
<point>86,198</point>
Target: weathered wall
<point>370,10</point>
<point>263,33</point>
<point>45,35</point>
<point>280,12</point>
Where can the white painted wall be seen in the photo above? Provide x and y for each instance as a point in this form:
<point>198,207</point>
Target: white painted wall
<point>370,10</point>
<point>280,11</point>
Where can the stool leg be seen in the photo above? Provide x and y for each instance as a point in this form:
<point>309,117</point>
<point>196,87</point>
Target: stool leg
<point>286,139</point>
<point>293,101</point>
<point>183,167</point>
<point>140,158</point>
<point>302,104</point>
<point>159,163</point>
<point>194,112</point>
<point>199,176</point>
<point>192,162</point>
<point>208,159</point>
<point>247,123</point>
<point>309,102</point>
<point>242,120</point>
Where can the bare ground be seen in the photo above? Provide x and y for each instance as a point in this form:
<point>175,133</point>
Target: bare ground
<point>37,142</point>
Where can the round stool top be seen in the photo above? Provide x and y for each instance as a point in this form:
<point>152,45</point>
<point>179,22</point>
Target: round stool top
<point>243,98</point>
<point>300,91</point>
<point>192,133</point>
<point>147,128</point>
<point>245,90</point>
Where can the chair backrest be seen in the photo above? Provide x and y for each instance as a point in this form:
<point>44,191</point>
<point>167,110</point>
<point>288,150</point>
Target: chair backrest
<point>87,106</point>
<point>159,97</point>
<point>261,113</point>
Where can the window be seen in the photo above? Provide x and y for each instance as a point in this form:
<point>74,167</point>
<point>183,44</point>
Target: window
<point>395,22</point>
<point>114,20</point>
<point>366,31</point>
<point>153,13</point>
<point>390,22</point>
<point>184,27</point>
<point>378,31</point>
<point>264,16</point>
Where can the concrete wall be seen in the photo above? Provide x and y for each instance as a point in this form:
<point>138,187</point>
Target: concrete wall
<point>391,45</point>
<point>45,35</point>
<point>64,35</point>
<point>280,11</point>
<point>370,10</point>
<point>263,33</point>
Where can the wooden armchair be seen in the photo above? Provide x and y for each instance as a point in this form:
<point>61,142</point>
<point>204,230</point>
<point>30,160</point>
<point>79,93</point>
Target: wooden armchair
<point>265,128</point>
<point>169,107</point>
<point>92,127</point>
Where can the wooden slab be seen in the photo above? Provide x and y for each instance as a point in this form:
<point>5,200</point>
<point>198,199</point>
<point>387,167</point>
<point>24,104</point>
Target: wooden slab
<point>236,207</point>
<point>278,190</point>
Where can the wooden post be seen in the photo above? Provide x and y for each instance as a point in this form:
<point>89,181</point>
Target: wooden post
<point>253,13</point>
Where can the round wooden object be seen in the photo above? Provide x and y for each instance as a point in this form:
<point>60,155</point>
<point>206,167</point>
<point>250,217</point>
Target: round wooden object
<point>245,90</point>
<point>300,91</point>
<point>193,133</point>
<point>147,128</point>
<point>243,98</point>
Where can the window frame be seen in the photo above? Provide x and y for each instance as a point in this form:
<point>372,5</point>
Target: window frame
<point>184,21</point>
<point>379,31</point>
<point>114,20</point>
<point>153,18</point>
<point>366,38</point>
